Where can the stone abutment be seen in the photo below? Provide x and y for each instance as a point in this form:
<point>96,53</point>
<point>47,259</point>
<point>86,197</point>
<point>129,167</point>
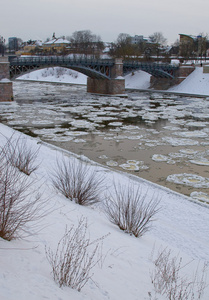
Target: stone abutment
<point>6,91</point>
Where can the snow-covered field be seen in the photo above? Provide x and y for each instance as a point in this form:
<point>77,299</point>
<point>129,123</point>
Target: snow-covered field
<point>124,272</point>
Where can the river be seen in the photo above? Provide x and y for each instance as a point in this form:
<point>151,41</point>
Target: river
<point>161,138</point>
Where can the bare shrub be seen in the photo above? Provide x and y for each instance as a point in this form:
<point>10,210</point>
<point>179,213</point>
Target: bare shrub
<point>17,206</point>
<point>20,154</point>
<point>129,210</point>
<point>74,258</point>
<point>169,278</point>
<point>76,181</point>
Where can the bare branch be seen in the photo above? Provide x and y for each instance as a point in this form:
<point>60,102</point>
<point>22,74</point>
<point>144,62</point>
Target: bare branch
<point>75,180</point>
<point>130,211</point>
<point>74,258</point>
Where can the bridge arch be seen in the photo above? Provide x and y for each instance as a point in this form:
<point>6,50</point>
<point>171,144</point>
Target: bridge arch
<point>94,69</point>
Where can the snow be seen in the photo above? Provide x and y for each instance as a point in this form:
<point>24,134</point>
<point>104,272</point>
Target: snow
<point>196,83</point>
<point>182,224</point>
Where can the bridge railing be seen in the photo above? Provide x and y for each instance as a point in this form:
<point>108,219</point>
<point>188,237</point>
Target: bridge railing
<point>59,60</point>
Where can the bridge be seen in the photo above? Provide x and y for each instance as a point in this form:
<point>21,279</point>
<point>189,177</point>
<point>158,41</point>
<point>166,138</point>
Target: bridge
<point>100,69</point>
<point>105,76</point>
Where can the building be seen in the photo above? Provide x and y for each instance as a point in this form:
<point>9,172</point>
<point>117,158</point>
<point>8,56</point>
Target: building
<point>56,45</point>
<point>13,44</point>
<point>137,39</point>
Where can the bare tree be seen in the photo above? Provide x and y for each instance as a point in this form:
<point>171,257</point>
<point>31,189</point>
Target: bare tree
<point>76,181</point>
<point>75,257</point>
<point>85,42</point>
<point>129,210</point>
<point>169,278</point>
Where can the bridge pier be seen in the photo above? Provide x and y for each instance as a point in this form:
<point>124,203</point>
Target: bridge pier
<point>6,91</point>
<point>113,86</point>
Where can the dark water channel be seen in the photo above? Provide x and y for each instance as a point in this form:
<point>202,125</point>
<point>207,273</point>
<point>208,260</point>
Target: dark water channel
<point>162,138</point>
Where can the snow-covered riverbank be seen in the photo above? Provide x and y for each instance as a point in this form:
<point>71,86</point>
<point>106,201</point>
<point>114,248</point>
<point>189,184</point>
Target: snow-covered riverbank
<point>181,225</point>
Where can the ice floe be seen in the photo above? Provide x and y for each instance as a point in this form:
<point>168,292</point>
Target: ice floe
<point>200,196</point>
<point>112,163</point>
<point>159,157</point>
<point>193,134</point>
<point>192,180</point>
<point>202,162</point>
<point>179,141</point>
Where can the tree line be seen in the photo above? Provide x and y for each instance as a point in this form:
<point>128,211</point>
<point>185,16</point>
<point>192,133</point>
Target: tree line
<point>153,47</point>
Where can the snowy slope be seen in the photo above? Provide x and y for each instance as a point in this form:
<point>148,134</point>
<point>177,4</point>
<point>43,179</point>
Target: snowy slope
<point>124,273</point>
<point>196,83</point>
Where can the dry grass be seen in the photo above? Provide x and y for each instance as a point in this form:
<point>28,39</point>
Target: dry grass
<point>75,257</point>
<point>76,181</point>
<point>169,278</point>
<point>20,154</point>
<point>18,206</point>
<point>129,210</point>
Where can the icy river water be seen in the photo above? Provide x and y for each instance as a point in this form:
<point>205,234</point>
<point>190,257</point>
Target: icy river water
<point>161,138</point>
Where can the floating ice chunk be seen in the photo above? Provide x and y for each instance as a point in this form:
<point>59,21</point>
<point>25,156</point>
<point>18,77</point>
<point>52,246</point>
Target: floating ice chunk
<point>120,137</point>
<point>135,137</point>
<point>42,122</point>
<point>130,167</point>
<point>57,138</point>
<point>134,162</point>
<point>82,124</point>
<point>134,165</point>
<point>116,124</point>
<point>188,151</point>
<point>130,127</point>
<point>150,116</point>
<point>196,124</point>
<point>171,162</point>
<point>200,196</point>
<point>177,155</point>
<point>179,122</point>
<point>103,119</point>
<point>103,156</point>
<point>79,141</point>
<point>180,142</point>
<point>112,163</point>
<point>171,128</point>
<point>195,134</point>
<point>204,143</point>
<point>203,162</point>
<point>17,122</point>
<point>48,131</point>
<point>159,157</point>
<point>76,133</point>
<point>189,180</point>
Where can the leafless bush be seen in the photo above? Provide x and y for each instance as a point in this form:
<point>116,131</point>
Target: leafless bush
<point>169,279</point>
<point>20,155</point>
<point>17,206</point>
<point>74,258</point>
<point>130,211</point>
<point>76,181</point>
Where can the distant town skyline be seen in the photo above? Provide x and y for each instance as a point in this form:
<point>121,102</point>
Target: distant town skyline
<point>38,19</point>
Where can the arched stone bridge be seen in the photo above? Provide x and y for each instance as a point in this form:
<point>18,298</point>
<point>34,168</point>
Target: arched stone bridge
<point>105,76</point>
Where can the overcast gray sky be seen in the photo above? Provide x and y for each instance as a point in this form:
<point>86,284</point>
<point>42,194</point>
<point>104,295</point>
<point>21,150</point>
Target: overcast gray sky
<point>38,19</point>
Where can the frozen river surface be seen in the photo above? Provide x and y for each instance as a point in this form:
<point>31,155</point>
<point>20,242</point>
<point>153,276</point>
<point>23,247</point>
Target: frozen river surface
<point>162,138</point>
